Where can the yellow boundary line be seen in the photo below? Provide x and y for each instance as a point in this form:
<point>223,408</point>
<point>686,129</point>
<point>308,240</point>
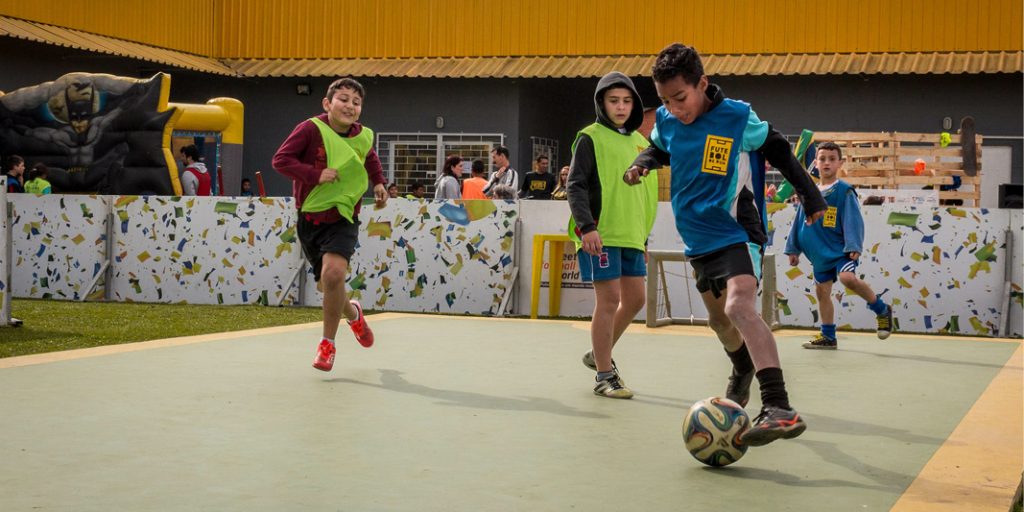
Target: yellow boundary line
<point>979,465</point>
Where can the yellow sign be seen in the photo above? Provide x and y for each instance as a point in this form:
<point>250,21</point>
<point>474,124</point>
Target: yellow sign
<point>716,155</point>
<point>830,217</point>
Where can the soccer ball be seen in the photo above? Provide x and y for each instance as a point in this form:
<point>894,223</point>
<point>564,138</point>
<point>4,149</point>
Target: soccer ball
<point>712,430</point>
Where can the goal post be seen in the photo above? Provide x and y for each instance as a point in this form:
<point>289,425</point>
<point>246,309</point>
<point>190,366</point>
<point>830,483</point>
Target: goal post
<point>5,259</point>
<point>659,300</point>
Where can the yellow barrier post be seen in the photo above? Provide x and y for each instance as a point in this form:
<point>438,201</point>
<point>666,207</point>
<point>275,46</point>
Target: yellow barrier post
<point>554,272</point>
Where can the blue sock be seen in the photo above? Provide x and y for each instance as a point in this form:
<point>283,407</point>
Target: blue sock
<point>604,375</point>
<point>878,307</point>
<point>828,330</point>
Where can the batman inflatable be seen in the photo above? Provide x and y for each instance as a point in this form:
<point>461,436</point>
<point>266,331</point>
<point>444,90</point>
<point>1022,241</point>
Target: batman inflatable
<point>96,133</point>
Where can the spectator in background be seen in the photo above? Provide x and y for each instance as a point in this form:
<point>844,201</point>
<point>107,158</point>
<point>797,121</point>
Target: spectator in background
<point>540,183</point>
<point>393,191</point>
<point>504,173</point>
<point>473,187</point>
<point>873,200</point>
<point>563,179</point>
<point>195,180</point>
<point>14,169</point>
<point>503,192</point>
<point>447,184</point>
<point>37,183</point>
<point>419,191</point>
<point>246,187</point>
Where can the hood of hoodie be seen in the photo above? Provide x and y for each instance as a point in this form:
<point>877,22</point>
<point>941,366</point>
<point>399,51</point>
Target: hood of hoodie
<point>616,79</point>
<point>198,166</point>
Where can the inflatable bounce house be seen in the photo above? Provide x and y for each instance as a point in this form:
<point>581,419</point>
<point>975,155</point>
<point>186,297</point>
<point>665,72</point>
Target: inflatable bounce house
<point>105,134</point>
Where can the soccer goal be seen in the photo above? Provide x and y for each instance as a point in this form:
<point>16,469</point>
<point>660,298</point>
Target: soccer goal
<point>672,297</point>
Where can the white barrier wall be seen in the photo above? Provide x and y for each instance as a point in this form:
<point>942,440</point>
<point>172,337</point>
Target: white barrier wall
<point>412,255</point>
<point>204,250</point>
<point>59,245</point>
<point>433,256</point>
<point>942,268</point>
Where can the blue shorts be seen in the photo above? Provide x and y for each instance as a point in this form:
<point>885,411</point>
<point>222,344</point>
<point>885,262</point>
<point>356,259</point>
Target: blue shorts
<point>613,263</point>
<point>845,264</point>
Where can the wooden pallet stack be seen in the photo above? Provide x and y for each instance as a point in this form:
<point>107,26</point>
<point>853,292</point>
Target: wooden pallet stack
<point>886,160</point>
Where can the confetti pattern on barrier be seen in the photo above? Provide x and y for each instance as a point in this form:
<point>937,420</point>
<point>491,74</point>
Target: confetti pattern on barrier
<point>59,245</point>
<point>204,250</point>
<point>432,256</point>
<point>941,269</point>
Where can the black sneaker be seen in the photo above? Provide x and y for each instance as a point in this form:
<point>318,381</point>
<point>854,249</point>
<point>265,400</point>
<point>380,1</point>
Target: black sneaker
<point>885,325</point>
<point>774,423</point>
<point>612,387</point>
<point>738,389</point>
<point>821,342</point>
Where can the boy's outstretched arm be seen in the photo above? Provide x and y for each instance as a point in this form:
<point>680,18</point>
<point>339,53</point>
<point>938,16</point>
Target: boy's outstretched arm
<point>651,158</point>
<point>779,153</point>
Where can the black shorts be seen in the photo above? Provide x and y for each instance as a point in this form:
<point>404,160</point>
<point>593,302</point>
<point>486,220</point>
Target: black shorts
<point>714,269</point>
<point>336,237</point>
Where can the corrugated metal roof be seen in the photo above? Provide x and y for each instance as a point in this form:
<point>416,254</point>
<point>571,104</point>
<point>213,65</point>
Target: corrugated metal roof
<point>638,65</point>
<point>71,38</point>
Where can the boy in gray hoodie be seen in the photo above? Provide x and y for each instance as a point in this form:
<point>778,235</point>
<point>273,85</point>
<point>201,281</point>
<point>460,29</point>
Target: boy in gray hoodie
<point>610,222</point>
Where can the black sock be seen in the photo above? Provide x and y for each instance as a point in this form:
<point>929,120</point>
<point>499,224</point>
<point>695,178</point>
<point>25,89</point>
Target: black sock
<point>742,364</point>
<point>773,388</point>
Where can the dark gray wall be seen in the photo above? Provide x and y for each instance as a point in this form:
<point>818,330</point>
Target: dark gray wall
<point>272,110</point>
<point>555,108</point>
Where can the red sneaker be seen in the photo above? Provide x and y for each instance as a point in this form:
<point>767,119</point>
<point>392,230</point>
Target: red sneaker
<point>360,328</point>
<point>324,356</point>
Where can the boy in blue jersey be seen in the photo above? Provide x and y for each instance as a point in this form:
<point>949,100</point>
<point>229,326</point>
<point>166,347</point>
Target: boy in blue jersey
<point>716,148</point>
<point>834,246</point>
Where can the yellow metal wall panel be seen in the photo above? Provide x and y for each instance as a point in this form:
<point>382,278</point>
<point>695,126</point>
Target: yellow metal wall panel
<point>1015,34</point>
<point>303,29</point>
<point>184,25</point>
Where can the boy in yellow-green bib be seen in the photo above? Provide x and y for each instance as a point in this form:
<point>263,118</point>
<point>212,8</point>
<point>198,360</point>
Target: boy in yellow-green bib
<point>610,222</point>
<point>331,162</point>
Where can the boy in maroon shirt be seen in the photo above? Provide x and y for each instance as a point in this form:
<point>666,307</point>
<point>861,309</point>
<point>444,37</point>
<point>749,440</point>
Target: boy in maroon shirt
<point>328,202</point>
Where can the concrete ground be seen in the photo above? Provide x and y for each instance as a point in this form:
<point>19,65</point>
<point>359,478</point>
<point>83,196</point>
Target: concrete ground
<point>476,414</point>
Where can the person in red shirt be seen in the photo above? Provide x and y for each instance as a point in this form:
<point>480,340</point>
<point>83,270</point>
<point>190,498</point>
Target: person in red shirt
<point>331,162</point>
<point>195,180</point>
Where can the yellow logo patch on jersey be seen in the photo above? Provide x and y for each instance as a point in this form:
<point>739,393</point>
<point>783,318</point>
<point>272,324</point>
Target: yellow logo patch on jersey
<point>716,155</point>
<point>829,221</point>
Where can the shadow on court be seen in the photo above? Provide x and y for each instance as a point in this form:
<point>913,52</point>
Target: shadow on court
<point>392,380</point>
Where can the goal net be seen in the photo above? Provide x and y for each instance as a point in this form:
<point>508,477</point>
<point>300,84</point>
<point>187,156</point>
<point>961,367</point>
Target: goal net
<point>672,297</point>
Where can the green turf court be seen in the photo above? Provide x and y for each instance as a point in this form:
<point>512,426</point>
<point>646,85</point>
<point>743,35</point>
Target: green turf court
<point>480,414</point>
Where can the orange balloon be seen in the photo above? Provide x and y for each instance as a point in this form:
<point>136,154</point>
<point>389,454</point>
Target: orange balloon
<point>918,166</point>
